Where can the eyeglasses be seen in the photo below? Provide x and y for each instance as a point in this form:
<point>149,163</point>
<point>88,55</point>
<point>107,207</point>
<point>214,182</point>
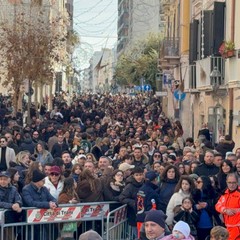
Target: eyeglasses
<point>119,175</point>
<point>54,174</point>
<point>199,181</point>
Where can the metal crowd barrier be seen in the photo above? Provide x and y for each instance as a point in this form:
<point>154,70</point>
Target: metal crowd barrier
<point>117,227</point>
<point>46,224</point>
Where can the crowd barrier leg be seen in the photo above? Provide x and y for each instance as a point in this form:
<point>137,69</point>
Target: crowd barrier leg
<point>117,225</point>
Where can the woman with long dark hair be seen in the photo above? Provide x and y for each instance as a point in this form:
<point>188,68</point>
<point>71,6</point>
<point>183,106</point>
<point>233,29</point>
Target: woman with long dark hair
<point>204,198</point>
<point>225,168</point>
<point>169,180</point>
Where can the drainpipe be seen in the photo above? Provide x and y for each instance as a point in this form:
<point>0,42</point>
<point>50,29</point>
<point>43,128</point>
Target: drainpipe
<point>231,93</point>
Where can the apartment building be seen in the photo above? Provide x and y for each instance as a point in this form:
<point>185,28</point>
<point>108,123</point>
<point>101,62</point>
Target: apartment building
<point>136,19</point>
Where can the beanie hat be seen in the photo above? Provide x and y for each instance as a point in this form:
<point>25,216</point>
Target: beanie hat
<point>37,176</point>
<point>90,235</point>
<point>156,216</point>
<point>183,228</point>
<point>151,175</point>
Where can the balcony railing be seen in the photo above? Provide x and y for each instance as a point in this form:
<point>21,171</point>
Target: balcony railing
<point>170,47</point>
<point>204,67</point>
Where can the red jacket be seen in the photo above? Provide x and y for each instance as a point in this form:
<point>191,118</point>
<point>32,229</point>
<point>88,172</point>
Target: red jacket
<point>230,200</point>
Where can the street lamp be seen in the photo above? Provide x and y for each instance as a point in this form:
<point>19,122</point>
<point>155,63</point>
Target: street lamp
<point>215,77</point>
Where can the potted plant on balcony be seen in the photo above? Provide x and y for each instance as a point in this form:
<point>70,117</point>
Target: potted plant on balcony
<point>227,49</point>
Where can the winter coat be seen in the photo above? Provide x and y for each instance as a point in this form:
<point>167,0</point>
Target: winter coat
<point>209,211</point>
<point>176,200</point>
<point>28,145</point>
<point>224,147</point>
<point>146,193</point>
<point>57,149</point>
<point>34,197</point>
<point>64,198</point>
<point>111,191</point>
<point>22,170</point>
<point>10,156</point>
<point>165,192</point>
<point>44,158</point>
<point>8,196</point>
<point>189,217</point>
<point>230,200</point>
<point>52,189</point>
<point>128,197</point>
<point>85,193</point>
<point>171,237</point>
<point>206,170</point>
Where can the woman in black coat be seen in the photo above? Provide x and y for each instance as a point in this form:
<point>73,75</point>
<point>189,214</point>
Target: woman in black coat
<point>205,198</point>
<point>169,180</point>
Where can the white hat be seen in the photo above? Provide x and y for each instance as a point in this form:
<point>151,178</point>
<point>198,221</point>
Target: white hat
<point>183,228</point>
<point>125,166</point>
<point>82,156</point>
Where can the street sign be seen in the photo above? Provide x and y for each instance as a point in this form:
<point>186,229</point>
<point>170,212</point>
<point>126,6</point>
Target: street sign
<point>161,94</point>
<point>179,95</point>
<point>147,88</point>
<point>138,88</point>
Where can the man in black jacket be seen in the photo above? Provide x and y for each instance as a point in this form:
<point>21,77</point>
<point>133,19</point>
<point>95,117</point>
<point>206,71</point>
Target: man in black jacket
<point>59,147</point>
<point>207,168</point>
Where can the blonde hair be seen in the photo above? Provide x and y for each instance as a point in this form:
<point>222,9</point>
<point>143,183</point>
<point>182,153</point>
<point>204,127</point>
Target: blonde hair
<point>219,233</point>
<point>21,155</point>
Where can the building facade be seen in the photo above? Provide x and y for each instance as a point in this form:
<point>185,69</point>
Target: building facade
<point>205,66</point>
<point>136,19</point>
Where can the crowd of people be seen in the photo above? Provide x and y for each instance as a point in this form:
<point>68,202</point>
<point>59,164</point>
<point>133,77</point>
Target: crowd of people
<point>124,149</point>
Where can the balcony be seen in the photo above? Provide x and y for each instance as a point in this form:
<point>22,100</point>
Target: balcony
<point>204,67</point>
<point>170,57</point>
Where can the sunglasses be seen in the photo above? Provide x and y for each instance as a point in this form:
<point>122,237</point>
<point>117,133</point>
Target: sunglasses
<point>199,182</point>
<point>54,174</point>
<point>157,155</point>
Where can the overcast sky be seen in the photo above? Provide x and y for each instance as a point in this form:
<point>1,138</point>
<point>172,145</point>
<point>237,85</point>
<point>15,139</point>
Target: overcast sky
<point>96,22</point>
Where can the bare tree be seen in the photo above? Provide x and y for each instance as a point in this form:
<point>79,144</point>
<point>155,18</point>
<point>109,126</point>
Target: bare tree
<point>31,45</point>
